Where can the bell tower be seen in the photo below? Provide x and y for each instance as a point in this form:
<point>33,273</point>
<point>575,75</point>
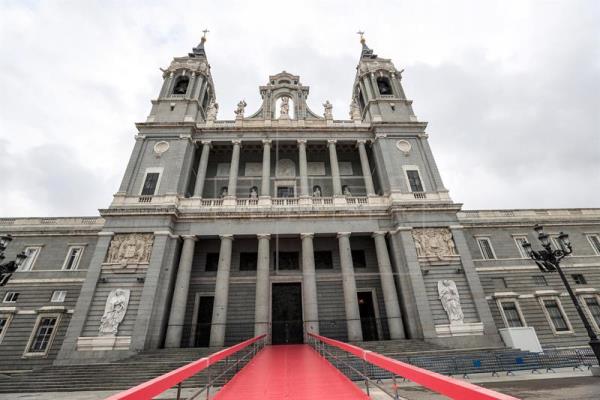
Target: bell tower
<point>377,90</point>
<point>187,93</point>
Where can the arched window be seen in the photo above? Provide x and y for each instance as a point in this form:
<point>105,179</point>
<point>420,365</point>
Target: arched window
<point>383,84</point>
<point>181,85</point>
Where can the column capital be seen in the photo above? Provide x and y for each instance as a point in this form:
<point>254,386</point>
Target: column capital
<point>344,234</point>
<point>378,233</point>
<point>105,233</point>
<point>331,141</point>
<point>380,135</point>
<point>361,142</point>
<point>189,237</point>
<point>301,141</point>
<point>263,235</point>
<point>206,142</point>
<point>266,142</point>
<point>401,229</point>
<point>226,236</point>
<point>306,235</point>
<point>236,142</point>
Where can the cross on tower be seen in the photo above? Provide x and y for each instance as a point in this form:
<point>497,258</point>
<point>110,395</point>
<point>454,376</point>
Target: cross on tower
<point>204,33</point>
<point>361,33</point>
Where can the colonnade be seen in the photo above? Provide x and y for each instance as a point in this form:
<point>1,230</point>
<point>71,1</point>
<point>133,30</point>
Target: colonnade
<point>266,168</point>
<point>262,299</point>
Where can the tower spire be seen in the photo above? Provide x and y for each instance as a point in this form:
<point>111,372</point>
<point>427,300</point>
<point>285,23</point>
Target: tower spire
<point>198,51</point>
<point>366,52</point>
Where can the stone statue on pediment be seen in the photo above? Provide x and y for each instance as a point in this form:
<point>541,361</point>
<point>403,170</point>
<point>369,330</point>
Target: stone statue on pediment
<point>241,107</point>
<point>328,110</point>
<point>354,111</point>
<point>284,110</point>
<point>213,109</point>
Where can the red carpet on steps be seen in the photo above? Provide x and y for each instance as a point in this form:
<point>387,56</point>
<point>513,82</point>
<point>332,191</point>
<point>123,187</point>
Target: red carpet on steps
<point>290,372</point>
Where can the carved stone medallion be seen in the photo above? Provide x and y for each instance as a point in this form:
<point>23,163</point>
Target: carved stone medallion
<point>161,147</point>
<point>434,242</point>
<point>404,146</point>
<point>130,248</point>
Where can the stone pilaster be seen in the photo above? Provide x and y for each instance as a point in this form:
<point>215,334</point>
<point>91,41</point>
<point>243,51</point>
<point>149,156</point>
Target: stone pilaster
<point>180,293</point>
<point>261,308</point>
<point>349,286</point>
<point>304,192</point>
<point>202,165</point>
<point>265,190</point>
<point>309,285</point>
<point>233,170</point>
<point>219,317</point>
<point>366,169</point>
<point>335,169</point>
<point>390,296</point>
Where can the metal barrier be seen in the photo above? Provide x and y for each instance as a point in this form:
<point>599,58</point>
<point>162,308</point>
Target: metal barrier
<point>436,382</point>
<point>175,378</point>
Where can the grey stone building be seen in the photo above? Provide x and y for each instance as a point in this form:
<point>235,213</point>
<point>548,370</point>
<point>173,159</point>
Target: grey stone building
<point>286,222</point>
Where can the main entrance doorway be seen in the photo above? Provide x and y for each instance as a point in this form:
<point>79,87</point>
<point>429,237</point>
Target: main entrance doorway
<point>368,321</point>
<point>205,311</point>
<point>286,313</point>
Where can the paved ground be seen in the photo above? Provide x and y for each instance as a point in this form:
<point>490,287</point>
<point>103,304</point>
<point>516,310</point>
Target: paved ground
<point>564,384</point>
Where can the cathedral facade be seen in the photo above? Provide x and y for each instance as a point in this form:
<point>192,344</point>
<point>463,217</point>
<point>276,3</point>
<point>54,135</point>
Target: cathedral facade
<point>284,222</point>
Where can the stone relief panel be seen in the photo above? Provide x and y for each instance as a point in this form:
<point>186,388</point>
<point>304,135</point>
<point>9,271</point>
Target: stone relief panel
<point>316,168</point>
<point>345,168</point>
<point>448,295</point>
<point>130,248</point>
<point>285,168</point>
<point>434,242</point>
<point>253,169</point>
<point>223,169</point>
<point>114,312</point>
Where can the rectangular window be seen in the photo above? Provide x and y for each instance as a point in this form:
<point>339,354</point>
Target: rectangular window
<point>212,261</point>
<point>150,184</point>
<point>511,313</point>
<point>248,261</point>
<point>414,180</point>
<point>539,280</point>
<point>485,245</point>
<point>44,334</point>
<point>58,296</point>
<point>358,259</point>
<point>499,283</point>
<point>4,321</point>
<point>519,240</point>
<point>593,307</point>
<point>10,297</point>
<point>595,242</point>
<point>73,256</point>
<point>557,318</point>
<point>579,279</point>
<point>286,260</point>
<point>323,260</point>
<point>32,255</point>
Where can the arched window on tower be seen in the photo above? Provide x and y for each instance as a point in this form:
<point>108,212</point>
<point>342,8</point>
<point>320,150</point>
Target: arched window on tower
<point>181,85</point>
<point>384,86</point>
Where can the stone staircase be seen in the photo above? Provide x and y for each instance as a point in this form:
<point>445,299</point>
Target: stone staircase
<point>117,375</point>
<point>146,365</point>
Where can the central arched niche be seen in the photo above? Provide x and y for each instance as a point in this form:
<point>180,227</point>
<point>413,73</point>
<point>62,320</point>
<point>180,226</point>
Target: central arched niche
<point>291,107</point>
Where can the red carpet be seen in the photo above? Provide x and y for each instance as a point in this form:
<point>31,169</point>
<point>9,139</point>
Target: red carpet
<point>290,372</point>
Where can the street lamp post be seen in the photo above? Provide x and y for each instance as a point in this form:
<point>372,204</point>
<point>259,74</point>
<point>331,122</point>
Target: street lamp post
<point>7,269</point>
<point>548,260</point>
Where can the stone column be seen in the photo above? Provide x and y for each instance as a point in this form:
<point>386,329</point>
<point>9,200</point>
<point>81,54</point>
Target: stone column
<point>180,293</point>
<point>265,190</point>
<point>366,169</point>
<point>219,317</point>
<point>261,308</point>
<point>390,296</point>
<point>304,191</point>
<point>309,285</point>
<point>349,285</point>
<point>335,169</point>
<point>202,165</point>
<point>234,169</point>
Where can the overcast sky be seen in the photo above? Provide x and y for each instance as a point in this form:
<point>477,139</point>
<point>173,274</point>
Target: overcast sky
<point>511,89</point>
